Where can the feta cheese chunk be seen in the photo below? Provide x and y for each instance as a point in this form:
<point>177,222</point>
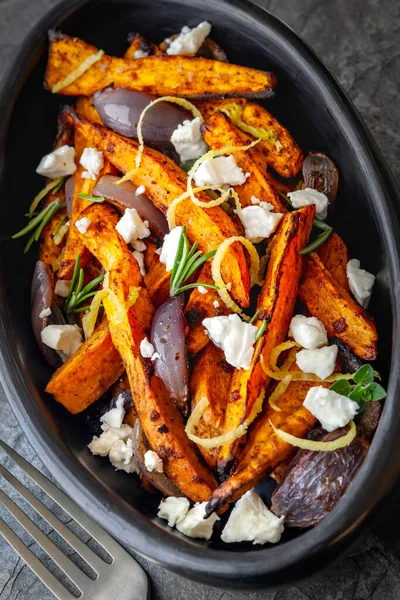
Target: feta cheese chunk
<point>146,348</point>
<point>58,163</point>
<point>131,227</point>
<point>153,462</point>
<point>194,524</point>
<point>139,53</point>
<point>258,221</point>
<point>234,337</point>
<point>140,261</point>
<point>188,141</point>
<point>64,338</point>
<point>309,332</point>
<point>92,161</point>
<point>121,456</point>
<point>216,304</point>
<point>188,42</point>
<point>320,362</point>
<point>140,190</point>
<point>219,171</point>
<point>138,245</point>
<point>116,443</point>
<point>115,416</point>
<point>251,521</point>
<point>309,196</point>
<point>360,281</point>
<point>46,312</point>
<point>170,248</point>
<point>173,509</point>
<point>82,225</point>
<point>202,289</point>
<point>255,200</point>
<point>330,408</point>
<point>62,287</point>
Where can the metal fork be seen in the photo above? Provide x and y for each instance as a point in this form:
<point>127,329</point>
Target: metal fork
<point>122,579</point>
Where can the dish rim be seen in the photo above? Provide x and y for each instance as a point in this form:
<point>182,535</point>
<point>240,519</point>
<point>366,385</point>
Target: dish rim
<point>269,566</point>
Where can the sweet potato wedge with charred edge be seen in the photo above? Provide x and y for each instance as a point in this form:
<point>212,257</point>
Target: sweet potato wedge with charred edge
<point>158,75</point>
<point>164,181</point>
<point>334,255</point>
<point>286,157</point>
<point>219,131</point>
<point>211,378</point>
<point>88,373</point>
<point>161,421</point>
<point>275,304</point>
<point>342,316</point>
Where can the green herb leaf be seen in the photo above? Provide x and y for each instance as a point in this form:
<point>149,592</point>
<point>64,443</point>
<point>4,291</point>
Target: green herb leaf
<point>187,165</point>
<point>357,393</point>
<point>254,317</point>
<point>341,386</point>
<point>39,222</point>
<point>364,375</point>
<point>77,293</point>
<point>317,242</point>
<point>98,199</point>
<point>261,330</point>
<point>374,391</point>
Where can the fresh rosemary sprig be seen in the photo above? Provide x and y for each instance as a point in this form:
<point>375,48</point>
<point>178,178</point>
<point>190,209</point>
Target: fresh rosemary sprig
<point>77,293</point>
<point>187,261</point>
<point>365,388</point>
<point>261,330</point>
<point>39,222</point>
<point>91,198</point>
<point>54,185</point>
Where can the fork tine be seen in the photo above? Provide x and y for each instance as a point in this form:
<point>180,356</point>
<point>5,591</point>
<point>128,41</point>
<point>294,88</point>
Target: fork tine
<point>71,570</point>
<point>34,563</point>
<point>103,538</point>
<point>84,551</point>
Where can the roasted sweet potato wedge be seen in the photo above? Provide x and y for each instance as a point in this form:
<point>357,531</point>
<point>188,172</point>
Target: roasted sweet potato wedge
<point>275,304</point>
<point>334,255</point>
<point>342,316</point>
<point>164,181</point>
<point>138,43</point>
<point>86,108</point>
<point>161,421</point>
<point>211,378</point>
<point>159,75</point>
<point>88,373</point>
<point>219,131</point>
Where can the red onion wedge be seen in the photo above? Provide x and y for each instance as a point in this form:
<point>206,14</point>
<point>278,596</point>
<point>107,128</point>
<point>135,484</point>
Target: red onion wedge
<point>69,194</point>
<point>168,339</point>
<point>321,174</point>
<point>159,480</point>
<point>120,110</point>
<point>42,298</point>
<point>125,195</point>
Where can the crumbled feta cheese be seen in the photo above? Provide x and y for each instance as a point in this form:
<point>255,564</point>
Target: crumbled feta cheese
<point>255,200</point>
<point>194,524</point>
<point>82,225</point>
<point>146,348</point>
<point>170,248</point>
<point>155,356</point>
<point>140,54</point>
<point>216,304</point>
<point>121,456</point>
<point>188,141</point>
<point>46,312</point>
<point>219,171</point>
<point>251,521</point>
<point>202,289</point>
<point>309,332</point>
<point>116,443</point>
<point>62,287</point>
<point>140,190</point>
<point>65,338</point>
<point>309,196</point>
<point>91,160</point>
<point>330,408</point>
<point>234,337</point>
<point>320,362</point>
<point>258,221</point>
<point>189,40</point>
<point>360,281</point>
<point>58,163</point>
<point>173,509</point>
<point>131,227</point>
<point>138,245</point>
<point>153,462</point>
<point>140,261</point>
<point>115,416</point>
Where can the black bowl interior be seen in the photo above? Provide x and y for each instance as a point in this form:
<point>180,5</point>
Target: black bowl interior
<point>311,105</point>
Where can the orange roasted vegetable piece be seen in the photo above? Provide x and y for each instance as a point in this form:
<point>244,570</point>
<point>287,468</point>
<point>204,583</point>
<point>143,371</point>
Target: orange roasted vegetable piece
<point>164,181</point>
<point>211,378</point>
<point>158,75</point>
<point>86,108</point>
<point>94,367</point>
<point>275,304</point>
<point>334,255</point>
<point>139,43</point>
<point>161,421</point>
<point>342,316</point>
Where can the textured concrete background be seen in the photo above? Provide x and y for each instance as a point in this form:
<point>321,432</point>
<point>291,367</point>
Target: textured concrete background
<point>359,41</point>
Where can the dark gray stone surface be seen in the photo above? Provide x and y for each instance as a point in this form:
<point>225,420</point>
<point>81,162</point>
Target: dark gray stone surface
<point>359,41</point>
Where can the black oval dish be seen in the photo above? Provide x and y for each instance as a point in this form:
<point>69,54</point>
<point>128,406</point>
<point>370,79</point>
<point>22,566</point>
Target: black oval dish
<point>312,105</point>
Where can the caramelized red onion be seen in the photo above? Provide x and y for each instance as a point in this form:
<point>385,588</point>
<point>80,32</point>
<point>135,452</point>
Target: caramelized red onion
<point>321,174</point>
<point>168,339</point>
<point>125,195</point>
<point>120,110</point>
<point>159,480</point>
<point>69,194</point>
